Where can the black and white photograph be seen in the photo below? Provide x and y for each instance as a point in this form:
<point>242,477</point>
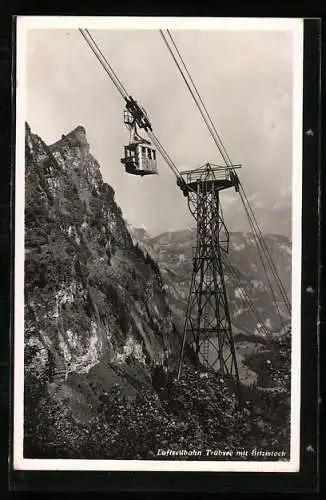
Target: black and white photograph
<point>158,244</point>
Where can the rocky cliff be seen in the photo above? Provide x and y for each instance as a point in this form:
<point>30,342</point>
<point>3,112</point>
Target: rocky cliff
<point>89,290</point>
<point>95,304</point>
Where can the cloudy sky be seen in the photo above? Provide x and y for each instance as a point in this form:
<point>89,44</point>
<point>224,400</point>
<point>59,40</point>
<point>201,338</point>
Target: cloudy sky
<point>244,77</point>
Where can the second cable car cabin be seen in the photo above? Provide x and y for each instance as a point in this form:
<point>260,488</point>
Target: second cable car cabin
<point>139,155</point>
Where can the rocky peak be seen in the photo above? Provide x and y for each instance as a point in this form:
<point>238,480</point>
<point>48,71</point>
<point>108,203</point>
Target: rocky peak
<point>75,138</point>
<point>90,292</point>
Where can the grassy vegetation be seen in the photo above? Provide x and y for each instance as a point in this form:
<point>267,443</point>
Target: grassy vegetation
<point>194,413</point>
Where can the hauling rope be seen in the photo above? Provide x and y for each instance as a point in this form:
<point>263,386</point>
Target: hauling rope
<point>140,119</point>
<point>258,236</point>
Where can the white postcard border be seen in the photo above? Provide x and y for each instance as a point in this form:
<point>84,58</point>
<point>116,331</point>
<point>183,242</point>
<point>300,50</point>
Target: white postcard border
<point>24,23</point>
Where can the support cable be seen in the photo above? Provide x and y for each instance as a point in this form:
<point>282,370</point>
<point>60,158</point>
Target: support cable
<point>122,90</point>
<point>217,137</point>
<point>264,266</point>
<point>245,297</point>
<point>164,153</point>
<point>207,121</point>
<point>104,62</point>
<point>266,252</point>
<point>218,141</point>
<point>246,300</point>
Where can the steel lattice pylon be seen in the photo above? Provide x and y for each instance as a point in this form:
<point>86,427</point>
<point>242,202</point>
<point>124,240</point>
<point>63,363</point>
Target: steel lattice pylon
<point>207,326</point>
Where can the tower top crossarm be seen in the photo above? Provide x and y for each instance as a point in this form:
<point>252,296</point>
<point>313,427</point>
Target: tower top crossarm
<point>221,177</point>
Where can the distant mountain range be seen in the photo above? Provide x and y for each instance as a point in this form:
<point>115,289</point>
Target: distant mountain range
<point>173,252</point>
<point>274,216</point>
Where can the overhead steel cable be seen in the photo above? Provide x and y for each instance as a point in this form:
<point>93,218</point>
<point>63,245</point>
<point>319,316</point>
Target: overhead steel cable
<point>260,241</point>
<point>246,301</point>
<point>268,255</point>
<point>124,93</point>
<point>217,137</point>
<point>218,141</point>
<point>103,60</point>
<point>243,290</point>
<point>168,160</point>
<point>264,267</point>
<point>245,297</point>
<point>207,121</point>
<point>164,153</point>
<point>263,251</point>
<point>122,90</point>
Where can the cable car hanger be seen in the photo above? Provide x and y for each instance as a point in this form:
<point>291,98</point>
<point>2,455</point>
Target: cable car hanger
<point>140,156</point>
<point>132,106</point>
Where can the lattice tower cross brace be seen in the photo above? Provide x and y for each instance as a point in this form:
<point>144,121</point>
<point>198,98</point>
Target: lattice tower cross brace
<point>207,330</point>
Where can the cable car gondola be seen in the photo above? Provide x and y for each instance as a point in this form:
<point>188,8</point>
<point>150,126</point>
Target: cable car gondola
<point>139,155</point>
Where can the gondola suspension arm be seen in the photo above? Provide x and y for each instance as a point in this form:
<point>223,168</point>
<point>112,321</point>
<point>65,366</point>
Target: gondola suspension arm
<point>132,106</point>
